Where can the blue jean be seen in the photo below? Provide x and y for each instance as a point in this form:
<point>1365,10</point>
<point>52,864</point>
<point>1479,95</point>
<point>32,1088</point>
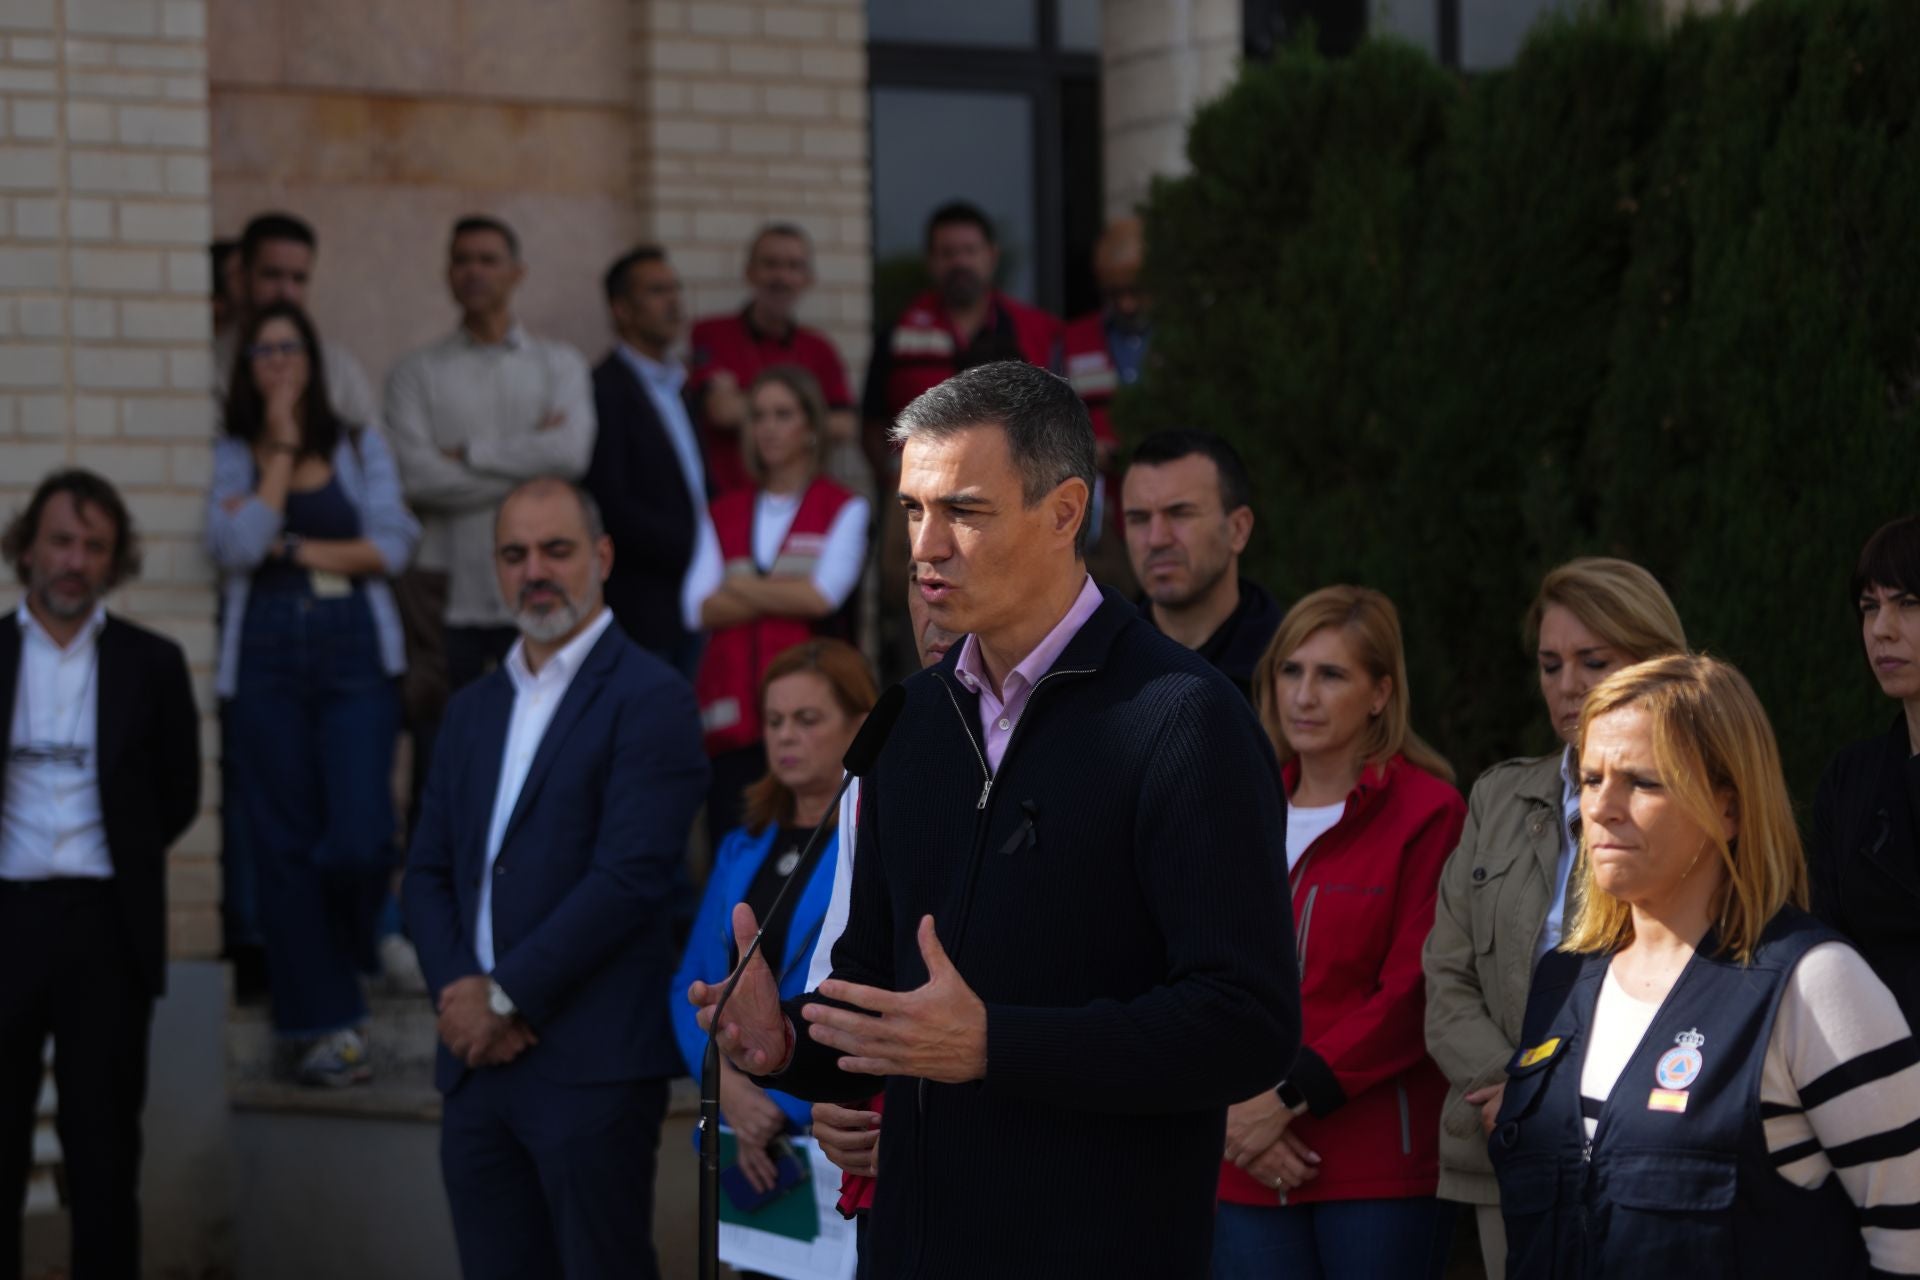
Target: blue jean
<point>315,717</point>
<point>1334,1240</point>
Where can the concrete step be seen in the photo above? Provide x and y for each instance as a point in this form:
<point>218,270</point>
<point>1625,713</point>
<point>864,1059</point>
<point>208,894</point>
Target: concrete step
<point>401,1040</point>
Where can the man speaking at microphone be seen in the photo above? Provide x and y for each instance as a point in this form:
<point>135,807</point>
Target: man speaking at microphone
<point>1069,946</point>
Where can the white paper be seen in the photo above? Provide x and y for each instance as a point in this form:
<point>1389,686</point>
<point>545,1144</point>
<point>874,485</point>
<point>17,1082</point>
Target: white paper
<point>830,1255</point>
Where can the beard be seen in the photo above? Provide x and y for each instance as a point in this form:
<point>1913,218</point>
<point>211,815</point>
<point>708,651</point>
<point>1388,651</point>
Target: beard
<point>961,287</point>
<point>551,622</point>
<point>66,598</point>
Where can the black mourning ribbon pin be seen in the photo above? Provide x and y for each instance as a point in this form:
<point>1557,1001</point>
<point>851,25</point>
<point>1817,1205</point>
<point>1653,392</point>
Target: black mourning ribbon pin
<point>1023,835</point>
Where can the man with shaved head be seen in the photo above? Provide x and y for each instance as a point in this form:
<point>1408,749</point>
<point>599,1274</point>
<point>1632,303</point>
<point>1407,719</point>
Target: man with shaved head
<point>539,893</point>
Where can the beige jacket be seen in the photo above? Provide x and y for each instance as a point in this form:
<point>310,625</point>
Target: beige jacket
<point>1494,896</point>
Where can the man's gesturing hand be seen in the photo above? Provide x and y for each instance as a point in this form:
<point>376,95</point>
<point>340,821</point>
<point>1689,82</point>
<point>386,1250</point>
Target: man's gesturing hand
<point>851,1139</point>
<point>754,1032</point>
<point>936,1032</point>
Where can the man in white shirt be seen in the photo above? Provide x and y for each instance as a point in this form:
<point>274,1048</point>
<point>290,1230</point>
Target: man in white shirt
<point>539,893</point>
<point>101,774</point>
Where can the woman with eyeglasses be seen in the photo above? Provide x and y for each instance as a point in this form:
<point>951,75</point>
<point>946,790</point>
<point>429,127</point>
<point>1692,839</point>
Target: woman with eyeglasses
<point>306,522</point>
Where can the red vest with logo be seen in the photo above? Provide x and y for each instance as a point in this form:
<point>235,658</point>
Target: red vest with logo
<point>1087,363</point>
<point>923,351</point>
<point>737,657</point>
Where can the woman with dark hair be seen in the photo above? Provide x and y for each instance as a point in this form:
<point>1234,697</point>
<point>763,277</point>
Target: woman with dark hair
<point>1865,849</point>
<point>814,698</point>
<point>788,555</point>
<point>306,522</point>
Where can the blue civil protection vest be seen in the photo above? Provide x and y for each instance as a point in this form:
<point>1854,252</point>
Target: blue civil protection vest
<point>1677,1180</point>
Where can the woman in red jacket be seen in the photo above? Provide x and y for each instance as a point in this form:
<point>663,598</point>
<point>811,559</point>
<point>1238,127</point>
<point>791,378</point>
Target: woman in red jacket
<point>1333,1172</point>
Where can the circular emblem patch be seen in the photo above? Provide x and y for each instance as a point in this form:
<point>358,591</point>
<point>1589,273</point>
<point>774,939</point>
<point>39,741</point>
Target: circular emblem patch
<point>1678,1068</point>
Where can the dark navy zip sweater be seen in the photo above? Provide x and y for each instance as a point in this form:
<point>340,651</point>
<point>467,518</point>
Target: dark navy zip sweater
<point>1120,906</point>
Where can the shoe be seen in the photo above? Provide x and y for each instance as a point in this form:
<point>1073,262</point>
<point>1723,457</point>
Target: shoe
<point>336,1061</point>
<point>400,967</point>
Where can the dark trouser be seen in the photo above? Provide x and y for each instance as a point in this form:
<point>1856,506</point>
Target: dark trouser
<point>70,974</point>
<point>1333,1239</point>
<point>550,1181</point>
<point>863,1265</point>
<point>239,914</point>
<point>733,772</point>
<point>316,716</point>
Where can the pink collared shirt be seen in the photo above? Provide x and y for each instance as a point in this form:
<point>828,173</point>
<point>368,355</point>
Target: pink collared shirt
<point>1000,715</point>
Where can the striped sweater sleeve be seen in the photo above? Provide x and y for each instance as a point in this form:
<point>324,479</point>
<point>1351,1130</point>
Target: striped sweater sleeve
<point>1840,1095</point>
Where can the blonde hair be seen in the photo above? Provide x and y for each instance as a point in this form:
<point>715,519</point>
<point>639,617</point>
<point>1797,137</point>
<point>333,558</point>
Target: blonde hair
<point>1372,625</point>
<point>1710,736</point>
<point>813,407</point>
<point>1617,600</point>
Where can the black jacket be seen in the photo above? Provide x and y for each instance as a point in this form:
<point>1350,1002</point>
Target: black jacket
<point>1236,645</point>
<point>1120,906</point>
<point>147,746</point>
<point>1865,859</point>
<point>636,478</point>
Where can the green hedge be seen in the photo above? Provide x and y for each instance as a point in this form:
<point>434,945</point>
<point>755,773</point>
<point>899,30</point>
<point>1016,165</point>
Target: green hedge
<point>1651,293</point>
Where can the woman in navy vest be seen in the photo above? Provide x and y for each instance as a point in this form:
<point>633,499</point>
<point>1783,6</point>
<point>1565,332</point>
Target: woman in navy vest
<point>814,699</point>
<point>1864,854</point>
<point>1726,1089</point>
<point>785,561</point>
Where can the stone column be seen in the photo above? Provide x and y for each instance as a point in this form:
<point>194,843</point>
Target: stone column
<point>1159,60</point>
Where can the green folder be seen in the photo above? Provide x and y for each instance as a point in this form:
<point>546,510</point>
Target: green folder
<point>794,1215</point>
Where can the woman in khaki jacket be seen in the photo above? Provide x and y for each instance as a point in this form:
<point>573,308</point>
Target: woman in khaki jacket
<point>1503,895</point>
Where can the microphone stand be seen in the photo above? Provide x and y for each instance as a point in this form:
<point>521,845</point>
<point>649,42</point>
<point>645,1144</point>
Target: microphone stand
<point>710,1066</point>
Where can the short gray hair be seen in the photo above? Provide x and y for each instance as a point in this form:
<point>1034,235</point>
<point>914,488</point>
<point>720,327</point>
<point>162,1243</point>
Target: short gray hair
<point>1049,435</point>
<point>589,509</point>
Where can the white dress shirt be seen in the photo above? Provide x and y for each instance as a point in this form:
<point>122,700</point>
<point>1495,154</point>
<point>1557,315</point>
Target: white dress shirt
<point>50,822</point>
<point>840,901</point>
<point>536,696</point>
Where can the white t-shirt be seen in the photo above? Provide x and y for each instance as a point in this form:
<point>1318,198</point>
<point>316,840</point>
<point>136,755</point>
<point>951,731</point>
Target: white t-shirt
<point>843,556</point>
<point>1305,825</point>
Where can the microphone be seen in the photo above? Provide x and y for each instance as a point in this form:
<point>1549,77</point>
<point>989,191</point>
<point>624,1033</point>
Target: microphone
<point>858,761</point>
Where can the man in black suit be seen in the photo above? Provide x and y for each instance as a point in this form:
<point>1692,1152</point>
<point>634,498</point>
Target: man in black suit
<point>101,775</point>
<point>647,474</point>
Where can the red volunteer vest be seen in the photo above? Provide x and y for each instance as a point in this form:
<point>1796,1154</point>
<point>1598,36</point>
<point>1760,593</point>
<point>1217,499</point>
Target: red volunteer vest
<point>737,657</point>
<point>923,351</point>
<point>1088,365</point>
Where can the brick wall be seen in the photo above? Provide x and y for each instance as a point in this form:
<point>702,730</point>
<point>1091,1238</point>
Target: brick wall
<point>753,111</point>
<point>103,315</point>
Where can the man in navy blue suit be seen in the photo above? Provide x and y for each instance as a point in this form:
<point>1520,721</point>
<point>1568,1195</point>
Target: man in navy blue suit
<point>538,894</point>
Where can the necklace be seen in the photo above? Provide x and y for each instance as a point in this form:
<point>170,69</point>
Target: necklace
<point>788,861</point>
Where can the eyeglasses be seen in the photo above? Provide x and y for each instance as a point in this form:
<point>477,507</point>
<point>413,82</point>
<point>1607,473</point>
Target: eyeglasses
<point>261,350</point>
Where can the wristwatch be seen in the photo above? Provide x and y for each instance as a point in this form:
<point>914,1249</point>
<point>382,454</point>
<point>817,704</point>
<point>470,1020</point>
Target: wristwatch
<point>499,1001</point>
<point>290,548</point>
<point>1291,1098</point>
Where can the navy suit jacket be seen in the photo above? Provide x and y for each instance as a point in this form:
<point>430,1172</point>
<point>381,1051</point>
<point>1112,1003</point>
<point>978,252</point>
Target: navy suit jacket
<point>583,884</point>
